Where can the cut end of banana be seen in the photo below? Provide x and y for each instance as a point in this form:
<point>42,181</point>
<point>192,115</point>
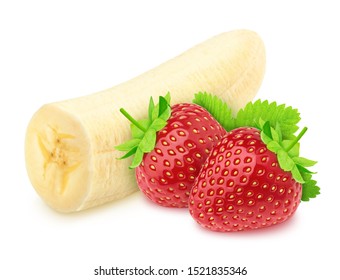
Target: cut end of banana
<point>57,158</point>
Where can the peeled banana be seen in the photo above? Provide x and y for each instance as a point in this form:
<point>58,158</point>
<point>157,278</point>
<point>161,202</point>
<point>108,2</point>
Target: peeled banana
<point>69,146</point>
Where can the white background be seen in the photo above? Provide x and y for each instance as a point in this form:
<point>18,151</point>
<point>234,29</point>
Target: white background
<point>55,50</point>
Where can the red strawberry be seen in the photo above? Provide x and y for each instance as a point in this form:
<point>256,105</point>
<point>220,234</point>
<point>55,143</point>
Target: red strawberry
<point>170,148</point>
<point>241,186</point>
<point>167,173</point>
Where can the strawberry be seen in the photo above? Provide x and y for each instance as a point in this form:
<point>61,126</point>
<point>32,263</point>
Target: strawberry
<point>242,186</point>
<point>170,149</point>
<point>254,177</point>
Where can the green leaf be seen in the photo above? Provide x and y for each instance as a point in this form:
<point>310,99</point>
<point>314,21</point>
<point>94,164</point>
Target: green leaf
<point>303,170</point>
<point>165,114</point>
<point>297,175</point>
<point>270,136</point>
<point>129,153</point>
<point>274,146</point>
<point>137,158</point>
<point>304,162</point>
<point>127,146</point>
<point>266,128</point>
<point>293,152</point>
<point>260,124</point>
<point>158,124</point>
<point>275,135</point>
<point>285,162</point>
<point>265,138</point>
<point>306,176</point>
<point>136,132</point>
<point>163,105</point>
<point>167,97</point>
<point>162,109</point>
<point>148,142</point>
<point>217,108</point>
<point>278,131</point>
<point>309,187</point>
<point>287,117</point>
<point>151,108</point>
<point>144,132</point>
<point>309,190</point>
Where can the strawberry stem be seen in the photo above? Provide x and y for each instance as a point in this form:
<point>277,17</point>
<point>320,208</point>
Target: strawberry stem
<point>132,120</point>
<point>297,139</point>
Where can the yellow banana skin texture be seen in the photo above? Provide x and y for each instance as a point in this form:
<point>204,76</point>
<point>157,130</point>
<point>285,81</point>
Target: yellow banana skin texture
<point>69,145</point>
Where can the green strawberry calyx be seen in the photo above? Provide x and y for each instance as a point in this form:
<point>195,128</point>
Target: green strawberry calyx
<point>278,125</point>
<point>144,131</point>
<point>287,152</point>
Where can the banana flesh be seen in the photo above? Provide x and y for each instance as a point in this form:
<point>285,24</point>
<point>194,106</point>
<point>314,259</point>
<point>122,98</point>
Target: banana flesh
<point>69,146</point>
